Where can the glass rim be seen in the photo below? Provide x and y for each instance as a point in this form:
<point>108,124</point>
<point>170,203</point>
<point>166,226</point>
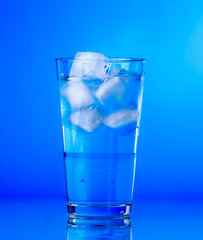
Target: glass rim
<point>111,59</point>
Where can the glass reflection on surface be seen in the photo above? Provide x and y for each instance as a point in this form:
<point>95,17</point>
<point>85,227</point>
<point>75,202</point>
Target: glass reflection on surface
<point>91,229</point>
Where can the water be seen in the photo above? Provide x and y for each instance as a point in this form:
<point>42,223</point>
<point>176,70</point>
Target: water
<point>100,130</point>
<point>99,172</point>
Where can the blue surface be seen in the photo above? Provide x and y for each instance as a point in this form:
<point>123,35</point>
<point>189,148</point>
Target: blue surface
<point>150,220</point>
<point>167,33</point>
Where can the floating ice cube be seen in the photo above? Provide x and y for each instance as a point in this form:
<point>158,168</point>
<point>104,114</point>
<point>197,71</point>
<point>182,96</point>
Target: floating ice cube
<point>121,91</point>
<point>89,65</point>
<point>88,119</point>
<point>77,94</point>
<point>121,118</point>
<point>110,93</point>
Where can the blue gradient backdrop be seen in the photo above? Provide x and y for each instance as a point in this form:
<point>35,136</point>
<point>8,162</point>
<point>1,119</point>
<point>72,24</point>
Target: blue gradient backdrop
<point>169,34</point>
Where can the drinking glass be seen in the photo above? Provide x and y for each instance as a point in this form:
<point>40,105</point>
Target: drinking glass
<point>100,112</point>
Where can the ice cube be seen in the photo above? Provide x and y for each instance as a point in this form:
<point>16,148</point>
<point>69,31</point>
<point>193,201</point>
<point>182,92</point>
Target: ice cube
<point>77,94</point>
<point>121,118</point>
<point>88,119</point>
<point>89,65</point>
<point>120,92</point>
<point>110,93</point>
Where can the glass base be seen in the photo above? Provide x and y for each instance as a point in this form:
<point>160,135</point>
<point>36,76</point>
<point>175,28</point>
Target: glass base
<point>99,210</point>
<point>81,222</point>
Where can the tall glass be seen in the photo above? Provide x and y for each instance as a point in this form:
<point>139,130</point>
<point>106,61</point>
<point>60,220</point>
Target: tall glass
<point>100,114</point>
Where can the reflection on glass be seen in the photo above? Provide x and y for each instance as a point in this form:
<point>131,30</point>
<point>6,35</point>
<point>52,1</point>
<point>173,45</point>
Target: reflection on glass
<point>91,229</point>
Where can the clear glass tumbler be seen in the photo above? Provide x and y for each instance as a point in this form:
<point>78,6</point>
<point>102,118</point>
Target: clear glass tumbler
<point>100,111</point>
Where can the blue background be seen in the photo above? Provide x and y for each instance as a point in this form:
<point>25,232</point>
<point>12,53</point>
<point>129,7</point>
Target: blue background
<point>169,34</point>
